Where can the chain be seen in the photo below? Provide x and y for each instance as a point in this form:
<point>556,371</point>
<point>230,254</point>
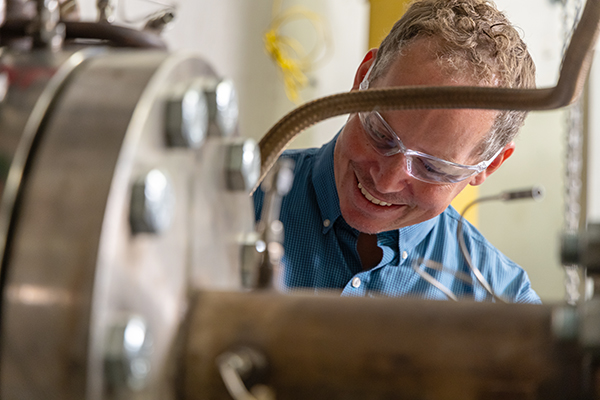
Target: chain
<point>571,10</point>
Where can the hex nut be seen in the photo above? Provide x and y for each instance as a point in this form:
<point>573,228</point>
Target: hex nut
<point>127,363</point>
<point>242,165</point>
<point>227,107</point>
<point>582,248</point>
<point>187,115</point>
<point>4,85</point>
<point>252,251</point>
<point>565,323</point>
<point>152,203</point>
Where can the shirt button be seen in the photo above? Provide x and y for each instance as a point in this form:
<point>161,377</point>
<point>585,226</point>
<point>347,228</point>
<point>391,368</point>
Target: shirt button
<point>356,282</point>
<point>326,223</point>
<point>404,255</point>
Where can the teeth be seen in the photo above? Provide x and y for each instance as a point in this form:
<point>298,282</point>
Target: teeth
<point>370,197</point>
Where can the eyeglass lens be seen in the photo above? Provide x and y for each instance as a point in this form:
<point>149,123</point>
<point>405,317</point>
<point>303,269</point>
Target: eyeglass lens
<point>420,166</point>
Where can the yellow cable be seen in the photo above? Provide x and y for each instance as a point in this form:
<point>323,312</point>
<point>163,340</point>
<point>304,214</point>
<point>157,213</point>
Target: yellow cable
<point>287,53</point>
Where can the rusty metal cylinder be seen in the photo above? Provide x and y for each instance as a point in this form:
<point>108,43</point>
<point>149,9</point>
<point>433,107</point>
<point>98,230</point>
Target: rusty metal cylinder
<point>328,347</point>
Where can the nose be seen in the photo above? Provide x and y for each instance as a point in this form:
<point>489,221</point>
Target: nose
<point>390,174</point>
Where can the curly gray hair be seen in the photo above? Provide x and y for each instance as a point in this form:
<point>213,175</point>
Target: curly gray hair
<point>472,37</point>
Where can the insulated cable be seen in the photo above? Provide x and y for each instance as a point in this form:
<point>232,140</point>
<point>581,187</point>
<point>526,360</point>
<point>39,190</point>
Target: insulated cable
<point>535,193</point>
<point>288,54</point>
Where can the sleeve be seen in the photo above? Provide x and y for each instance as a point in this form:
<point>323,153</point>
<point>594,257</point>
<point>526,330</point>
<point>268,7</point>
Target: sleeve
<point>526,294</point>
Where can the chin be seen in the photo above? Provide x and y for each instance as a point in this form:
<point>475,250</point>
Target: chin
<point>366,224</point>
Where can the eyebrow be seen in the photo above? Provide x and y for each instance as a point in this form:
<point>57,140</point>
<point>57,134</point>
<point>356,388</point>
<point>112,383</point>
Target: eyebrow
<point>449,159</point>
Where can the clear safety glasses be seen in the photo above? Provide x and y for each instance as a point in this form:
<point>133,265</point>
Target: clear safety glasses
<point>421,166</point>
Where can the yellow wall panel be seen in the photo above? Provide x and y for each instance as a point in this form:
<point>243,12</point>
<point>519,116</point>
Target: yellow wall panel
<point>383,15</point>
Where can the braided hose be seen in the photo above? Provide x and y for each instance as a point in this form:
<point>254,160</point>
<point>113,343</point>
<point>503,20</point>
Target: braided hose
<point>574,72</point>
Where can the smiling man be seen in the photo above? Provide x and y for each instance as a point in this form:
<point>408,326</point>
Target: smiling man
<point>369,213</point>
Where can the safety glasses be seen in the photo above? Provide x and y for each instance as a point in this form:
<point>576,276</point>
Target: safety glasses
<point>421,166</point>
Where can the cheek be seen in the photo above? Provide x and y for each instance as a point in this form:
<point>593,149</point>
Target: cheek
<point>434,199</point>
<point>353,139</point>
<point>347,149</point>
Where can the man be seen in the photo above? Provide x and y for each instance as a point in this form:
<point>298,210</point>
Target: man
<point>369,212</point>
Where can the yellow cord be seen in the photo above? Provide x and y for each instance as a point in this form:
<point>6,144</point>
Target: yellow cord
<point>287,53</point>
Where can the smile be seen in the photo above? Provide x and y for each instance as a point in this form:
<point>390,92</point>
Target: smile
<point>371,198</point>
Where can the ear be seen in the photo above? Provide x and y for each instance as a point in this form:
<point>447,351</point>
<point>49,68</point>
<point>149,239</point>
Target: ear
<point>508,150</point>
<point>363,68</point>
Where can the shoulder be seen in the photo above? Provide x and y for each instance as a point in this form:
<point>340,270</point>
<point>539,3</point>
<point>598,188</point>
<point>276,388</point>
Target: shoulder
<point>302,156</point>
<point>506,277</point>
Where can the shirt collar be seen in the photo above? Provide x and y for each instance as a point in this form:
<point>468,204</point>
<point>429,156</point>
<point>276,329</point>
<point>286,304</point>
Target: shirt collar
<point>323,179</point>
<point>411,236</point>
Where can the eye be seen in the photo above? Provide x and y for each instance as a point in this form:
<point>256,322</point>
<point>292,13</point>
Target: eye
<point>427,165</point>
<point>378,134</point>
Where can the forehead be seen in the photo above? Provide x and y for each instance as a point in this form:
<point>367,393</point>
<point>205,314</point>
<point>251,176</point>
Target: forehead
<point>423,63</point>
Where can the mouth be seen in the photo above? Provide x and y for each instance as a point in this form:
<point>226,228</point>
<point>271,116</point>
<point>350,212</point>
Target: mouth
<point>372,198</point>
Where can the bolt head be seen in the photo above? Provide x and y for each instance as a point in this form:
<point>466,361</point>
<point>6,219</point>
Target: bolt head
<point>4,85</point>
<point>565,323</point>
<point>227,107</point>
<point>187,116</point>
<point>243,165</point>
<point>222,105</point>
<point>252,253</point>
<point>127,363</point>
<point>152,203</point>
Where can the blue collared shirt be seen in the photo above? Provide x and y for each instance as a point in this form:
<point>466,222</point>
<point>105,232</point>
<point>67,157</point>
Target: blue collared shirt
<point>321,254</point>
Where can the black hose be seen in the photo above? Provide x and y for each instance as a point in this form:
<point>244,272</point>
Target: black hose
<point>116,36</point>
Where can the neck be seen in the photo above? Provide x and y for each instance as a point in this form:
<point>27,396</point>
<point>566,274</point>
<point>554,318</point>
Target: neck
<point>370,254</point>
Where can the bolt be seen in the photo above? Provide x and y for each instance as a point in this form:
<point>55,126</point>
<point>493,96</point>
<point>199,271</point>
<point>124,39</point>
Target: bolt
<point>227,107</point>
<point>204,106</point>
<point>105,11</point>
<point>589,335</point>
<point>252,252</point>
<point>243,165</point>
<point>4,84</point>
<point>582,248</point>
<point>49,32</point>
<point>222,105</point>
<point>159,21</point>
<point>127,357</point>
<point>565,323</point>
<point>187,115</point>
<point>152,203</point>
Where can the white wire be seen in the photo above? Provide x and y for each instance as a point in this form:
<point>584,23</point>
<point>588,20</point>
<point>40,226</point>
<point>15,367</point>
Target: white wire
<point>433,281</point>
<point>465,252</point>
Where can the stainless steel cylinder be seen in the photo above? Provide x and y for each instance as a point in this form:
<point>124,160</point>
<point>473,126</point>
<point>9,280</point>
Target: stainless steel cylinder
<point>78,130</point>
